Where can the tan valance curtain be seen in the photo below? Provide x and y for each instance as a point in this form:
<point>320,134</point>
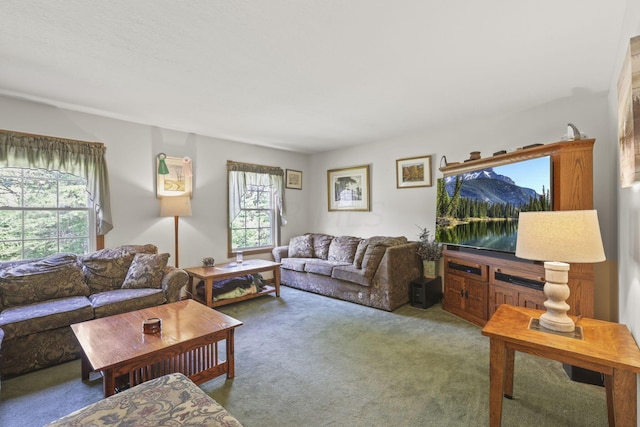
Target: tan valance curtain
<point>241,174</point>
<point>80,158</point>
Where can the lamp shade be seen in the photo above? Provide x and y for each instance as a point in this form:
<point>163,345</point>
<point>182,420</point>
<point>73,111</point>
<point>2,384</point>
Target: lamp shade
<point>565,236</point>
<point>175,206</point>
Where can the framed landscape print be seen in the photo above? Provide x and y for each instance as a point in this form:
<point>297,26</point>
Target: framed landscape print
<point>348,189</point>
<point>629,116</point>
<point>293,179</point>
<point>179,180</point>
<point>413,172</point>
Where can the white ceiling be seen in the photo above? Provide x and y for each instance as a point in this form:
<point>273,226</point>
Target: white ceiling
<point>305,75</point>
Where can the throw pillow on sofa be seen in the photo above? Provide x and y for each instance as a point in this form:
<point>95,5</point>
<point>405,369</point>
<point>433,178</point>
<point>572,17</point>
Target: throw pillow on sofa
<point>56,276</point>
<point>146,271</point>
<point>321,244</point>
<point>343,249</point>
<point>301,247</point>
<point>360,251</point>
<point>106,269</point>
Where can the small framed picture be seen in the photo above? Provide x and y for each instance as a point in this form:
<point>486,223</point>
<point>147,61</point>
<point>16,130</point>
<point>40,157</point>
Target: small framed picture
<point>348,189</point>
<point>178,179</point>
<point>413,172</point>
<point>293,179</point>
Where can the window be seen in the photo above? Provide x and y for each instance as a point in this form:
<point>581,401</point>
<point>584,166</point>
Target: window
<point>43,212</point>
<point>256,207</point>
<point>54,195</point>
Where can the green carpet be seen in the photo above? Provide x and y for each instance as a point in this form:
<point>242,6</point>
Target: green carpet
<point>308,360</point>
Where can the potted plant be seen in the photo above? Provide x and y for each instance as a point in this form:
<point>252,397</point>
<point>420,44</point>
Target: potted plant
<point>430,252</point>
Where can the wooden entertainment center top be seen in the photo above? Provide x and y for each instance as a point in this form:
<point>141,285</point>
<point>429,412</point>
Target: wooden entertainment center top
<point>476,282</point>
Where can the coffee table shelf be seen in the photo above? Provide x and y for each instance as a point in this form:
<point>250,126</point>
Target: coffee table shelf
<point>230,270</point>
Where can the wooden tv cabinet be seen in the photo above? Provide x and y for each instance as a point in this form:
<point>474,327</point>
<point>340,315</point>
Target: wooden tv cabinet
<point>476,282</point>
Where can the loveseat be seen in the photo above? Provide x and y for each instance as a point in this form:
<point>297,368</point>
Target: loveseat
<point>375,272</point>
<point>41,298</point>
<point>171,400</point>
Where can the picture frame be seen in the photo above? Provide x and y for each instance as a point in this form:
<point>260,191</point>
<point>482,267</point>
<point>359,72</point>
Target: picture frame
<point>413,172</point>
<point>293,179</point>
<point>348,189</point>
<point>179,180</point>
<point>629,115</point>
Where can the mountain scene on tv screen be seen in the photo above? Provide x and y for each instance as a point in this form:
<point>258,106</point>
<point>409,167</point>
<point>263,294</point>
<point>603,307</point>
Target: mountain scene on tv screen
<point>480,208</point>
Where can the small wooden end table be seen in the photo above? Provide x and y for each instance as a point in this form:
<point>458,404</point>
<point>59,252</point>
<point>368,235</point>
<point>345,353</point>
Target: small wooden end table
<point>605,347</point>
<point>226,271</point>
<point>187,343</point>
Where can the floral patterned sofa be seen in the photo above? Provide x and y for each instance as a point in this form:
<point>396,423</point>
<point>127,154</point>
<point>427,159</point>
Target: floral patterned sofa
<point>376,271</point>
<point>41,298</point>
<point>172,400</point>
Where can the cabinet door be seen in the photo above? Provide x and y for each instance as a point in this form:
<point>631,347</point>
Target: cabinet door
<point>476,298</point>
<point>501,295</point>
<point>532,300</point>
<point>453,291</point>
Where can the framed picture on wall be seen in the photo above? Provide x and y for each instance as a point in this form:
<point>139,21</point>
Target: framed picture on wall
<point>293,179</point>
<point>177,179</point>
<point>413,172</point>
<point>629,115</point>
<point>348,189</point>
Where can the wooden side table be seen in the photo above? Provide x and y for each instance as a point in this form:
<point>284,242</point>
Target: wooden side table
<point>605,347</point>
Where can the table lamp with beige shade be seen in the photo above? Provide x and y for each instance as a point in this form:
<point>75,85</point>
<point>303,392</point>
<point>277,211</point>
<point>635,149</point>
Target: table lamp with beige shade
<point>558,238</point>
<point>176,207</point>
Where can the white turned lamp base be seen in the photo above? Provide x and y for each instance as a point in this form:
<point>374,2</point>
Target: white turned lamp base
<point>557,291</point>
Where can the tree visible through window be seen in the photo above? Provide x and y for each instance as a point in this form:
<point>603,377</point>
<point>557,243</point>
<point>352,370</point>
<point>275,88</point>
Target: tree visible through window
<point>256,206</point>
<point>43,212</point>
<point>253,227</point>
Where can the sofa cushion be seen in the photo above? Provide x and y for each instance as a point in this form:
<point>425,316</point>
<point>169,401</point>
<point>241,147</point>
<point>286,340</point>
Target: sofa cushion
<point>56,276</point>
<point>351,274</point>
<point>106,269</point>
<point>321,243</point>
<point>360,250</point>
<point>296,264</point>
<point>343,249</point>
<point>45,316</point>
<point>301,247</point>
<point>123,300</point>
<point>321,267</point>
<point>372,257</point>
<point>146,271</point>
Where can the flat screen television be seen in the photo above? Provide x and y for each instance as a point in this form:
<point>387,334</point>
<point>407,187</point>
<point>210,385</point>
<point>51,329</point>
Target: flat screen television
<point>479,209</point>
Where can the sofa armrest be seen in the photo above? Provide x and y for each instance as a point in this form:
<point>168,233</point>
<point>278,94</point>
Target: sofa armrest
<point>280,252</point>
<point>172,282</point>
<point>399,266</point>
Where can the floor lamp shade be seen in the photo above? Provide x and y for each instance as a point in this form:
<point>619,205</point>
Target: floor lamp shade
<point>176,207</point>
<point>558,238</point>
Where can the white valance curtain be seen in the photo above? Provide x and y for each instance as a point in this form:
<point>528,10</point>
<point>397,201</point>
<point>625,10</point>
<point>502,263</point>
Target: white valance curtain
<point>80,158</point>
<point>243,174</point>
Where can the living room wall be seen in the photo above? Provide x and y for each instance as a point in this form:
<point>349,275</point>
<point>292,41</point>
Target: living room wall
<point>131,157</point>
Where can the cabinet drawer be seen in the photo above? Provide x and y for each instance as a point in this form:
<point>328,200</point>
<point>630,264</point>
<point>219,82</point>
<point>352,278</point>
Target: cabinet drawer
<point>466,268</point>
<point>506,276</point>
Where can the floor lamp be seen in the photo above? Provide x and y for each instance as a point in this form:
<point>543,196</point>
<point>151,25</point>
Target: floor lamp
<point>559,237</point>
<point>176,207</point>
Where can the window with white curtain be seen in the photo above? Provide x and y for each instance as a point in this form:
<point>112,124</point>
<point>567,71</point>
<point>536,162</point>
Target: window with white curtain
<point>256,207</point>
<point>54,195</point>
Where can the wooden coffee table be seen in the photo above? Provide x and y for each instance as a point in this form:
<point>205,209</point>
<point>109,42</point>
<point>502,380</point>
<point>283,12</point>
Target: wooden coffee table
<point>188,343</point>
<point>226,271</point>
